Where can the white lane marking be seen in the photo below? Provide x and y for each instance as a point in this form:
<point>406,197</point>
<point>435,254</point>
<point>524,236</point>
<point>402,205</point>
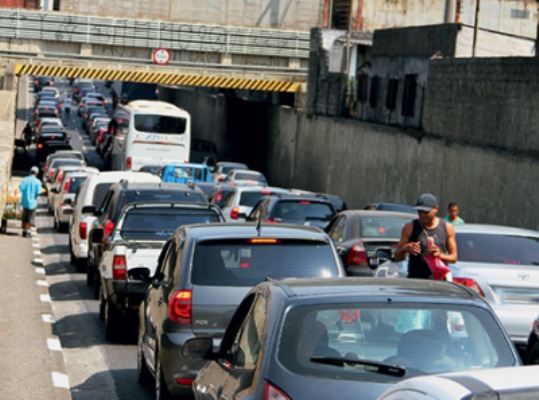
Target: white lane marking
<point>37,253</point>
<point>41,282</point>
<point>45,298</point>
<point>37,261</point>
<point>48,318</point>
<point>60,380</point>
<point>40,271</point>
<point>54,345</point>
<point>35,245</point>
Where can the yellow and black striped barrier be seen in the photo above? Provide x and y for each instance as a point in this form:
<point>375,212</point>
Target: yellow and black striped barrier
<point>159,78</point>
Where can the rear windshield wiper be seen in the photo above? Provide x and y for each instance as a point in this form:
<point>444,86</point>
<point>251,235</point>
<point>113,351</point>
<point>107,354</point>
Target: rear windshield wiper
<point>381,368</point>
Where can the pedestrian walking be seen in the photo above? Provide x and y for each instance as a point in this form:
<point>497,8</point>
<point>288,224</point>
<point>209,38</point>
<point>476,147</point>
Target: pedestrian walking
<point>28,133</point>
<point>453,214</point>
<point>67,107</point>
<point>427,235</point>
<point>30,188</point>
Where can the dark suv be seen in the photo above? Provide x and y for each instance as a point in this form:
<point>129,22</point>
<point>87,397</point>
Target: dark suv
<point>118,196</point>
<point>293,209</point>
<point>202,274</point>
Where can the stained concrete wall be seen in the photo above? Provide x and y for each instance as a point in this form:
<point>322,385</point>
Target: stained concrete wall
<point>364,163</point>
<point>493,102</point>
<point>7,139</point>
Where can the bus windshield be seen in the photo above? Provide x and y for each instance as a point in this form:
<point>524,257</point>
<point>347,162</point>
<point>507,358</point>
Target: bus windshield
<point>160,124</point>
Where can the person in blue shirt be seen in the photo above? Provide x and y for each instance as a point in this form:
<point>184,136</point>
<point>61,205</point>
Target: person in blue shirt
<point>30,188</point>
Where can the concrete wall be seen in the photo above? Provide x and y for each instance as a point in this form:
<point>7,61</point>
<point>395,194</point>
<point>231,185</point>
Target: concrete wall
<point>365,163</point>
<point>493,102</point>
<point>7,138</point>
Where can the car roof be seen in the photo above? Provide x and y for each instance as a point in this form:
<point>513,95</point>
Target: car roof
<point>297,197</point>
<point>378,213</point>
<point>238,230</point>
<point>495,229</point>
<point>382,288</point>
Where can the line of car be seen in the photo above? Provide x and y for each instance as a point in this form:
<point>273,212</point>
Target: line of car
<point>233,288</point>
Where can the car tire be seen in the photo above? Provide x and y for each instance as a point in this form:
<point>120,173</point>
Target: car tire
<point>112,321</point>
<point>90,273</point>
<point>533,358</point>
<point>97,284</point>
<point>161,390</point>
<point>72,259</point>
<point>144,375</point>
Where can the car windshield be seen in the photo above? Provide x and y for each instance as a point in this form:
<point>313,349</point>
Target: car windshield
<point>160,223</point>
<point>63,163</point>
<point>498,249</point>
<point>249,199</point>
<point>247,262</point>
<point>422,338</point>
<point>382,227</point>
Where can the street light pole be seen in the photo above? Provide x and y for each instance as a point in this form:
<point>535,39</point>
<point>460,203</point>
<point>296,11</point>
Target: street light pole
<point>476,26</point>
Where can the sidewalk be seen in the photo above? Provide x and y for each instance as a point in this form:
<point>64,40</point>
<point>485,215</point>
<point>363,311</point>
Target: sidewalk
<point>32,364</point>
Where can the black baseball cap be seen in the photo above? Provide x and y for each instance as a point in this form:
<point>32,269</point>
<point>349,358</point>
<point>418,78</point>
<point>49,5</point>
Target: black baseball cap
<point>426,202</point>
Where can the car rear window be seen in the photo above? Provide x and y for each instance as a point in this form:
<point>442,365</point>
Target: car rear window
<point>420,337</point>
<point>249,176</point>
<point>303,210</point>
<point>249,199</point>
<point>498,248</point>
<point>228,168</point>
<point>247,262</point>
<point>99,193</point>
<point>75,182</point>
<point>63,163</point>
<point>161,223</point>
<point>175,196</point>
<point>382,227</point>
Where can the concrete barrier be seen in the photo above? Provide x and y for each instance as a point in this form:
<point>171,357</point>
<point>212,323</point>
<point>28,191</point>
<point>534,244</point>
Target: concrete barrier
<point>7,140</point>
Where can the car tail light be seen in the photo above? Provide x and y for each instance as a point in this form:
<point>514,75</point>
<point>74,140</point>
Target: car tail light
<point>273,393</point>
<point>264,241</point>
<point>234,213</point>
<point>36,82</point>
<point>40,145</point>
<point>185,381</point>
<point>66,185</point>
<point>304,202</point>
<point>129,162</point>
<point>118,267</point>
<point>45,168</point>
<point>108,227</point>
<point>180,307</point>
<point>357,255</point>
<point>83,227</point>
<point>272,221</point>
<point>86,115</point>
<point>470,283</point>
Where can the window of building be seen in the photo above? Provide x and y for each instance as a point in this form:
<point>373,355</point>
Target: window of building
<point>362,85</point>
<point>375,86</point>
<point>408,95</point>
<point>392,89</point>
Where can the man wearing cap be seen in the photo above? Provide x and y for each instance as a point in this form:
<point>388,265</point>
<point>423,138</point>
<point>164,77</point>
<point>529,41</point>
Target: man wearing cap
<point>414,238</point>
<point>30,188</point>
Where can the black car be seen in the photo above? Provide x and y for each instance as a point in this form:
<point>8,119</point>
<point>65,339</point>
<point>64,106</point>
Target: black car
<point>348,338</point>
<point>203,273</point>
<point>220,193</point>
<point>132,252</point>
<point>41,81</point>
<point>49,143</point>
<point>118,196</point>
<point>293,209</point>
<point>359,234</point>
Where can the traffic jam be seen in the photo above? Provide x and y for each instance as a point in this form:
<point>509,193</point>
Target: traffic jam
<point>199,278</point>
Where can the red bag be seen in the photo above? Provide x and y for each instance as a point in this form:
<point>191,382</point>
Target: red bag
<point>440,271</point>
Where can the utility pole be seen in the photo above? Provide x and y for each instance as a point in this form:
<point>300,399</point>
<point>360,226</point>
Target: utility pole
<point>348,39</point>
<point>476,26</point>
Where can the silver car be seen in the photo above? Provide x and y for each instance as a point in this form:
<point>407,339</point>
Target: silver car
<point>502,264</point>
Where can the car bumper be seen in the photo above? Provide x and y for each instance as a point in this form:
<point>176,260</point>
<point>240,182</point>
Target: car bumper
<point>354,270</point>
<point>124,296</point>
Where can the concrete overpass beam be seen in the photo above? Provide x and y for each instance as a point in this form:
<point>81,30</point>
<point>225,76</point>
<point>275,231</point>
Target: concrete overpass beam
<point>294,63</point>
<point>85,49</point>
<point>226,59</point>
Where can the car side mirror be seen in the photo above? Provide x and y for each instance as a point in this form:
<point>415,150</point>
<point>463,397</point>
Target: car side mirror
<point>97,235</point>
<point>200,348</point>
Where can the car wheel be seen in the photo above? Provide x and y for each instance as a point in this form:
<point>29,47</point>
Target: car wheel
<point>72,259</point>
<point>112,322</point>
<point>161,391</point>
<point>143,373</point>
<point>97,284</point>
<point>533,358</point>
<point>102,306</point>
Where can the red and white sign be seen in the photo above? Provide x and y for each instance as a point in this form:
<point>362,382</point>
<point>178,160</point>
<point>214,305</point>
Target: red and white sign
<point>161,56</point>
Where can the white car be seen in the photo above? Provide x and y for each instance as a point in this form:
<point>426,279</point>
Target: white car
<point>90,196</point>
<point>242,177</point>
<point>242,199</point>
<point>53,185</point>
<point>222,168</point>
<point>493,383</point>
<point>65,195</point>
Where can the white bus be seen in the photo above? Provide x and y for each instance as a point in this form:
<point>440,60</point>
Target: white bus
<point>147,132</point>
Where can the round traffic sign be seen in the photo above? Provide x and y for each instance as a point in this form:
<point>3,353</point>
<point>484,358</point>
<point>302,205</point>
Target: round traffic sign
<point>161,56</point>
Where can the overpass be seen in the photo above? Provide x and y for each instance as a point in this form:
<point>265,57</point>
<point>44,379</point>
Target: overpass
<point>69,45</point>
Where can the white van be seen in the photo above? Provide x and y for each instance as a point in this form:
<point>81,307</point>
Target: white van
<point>88,198</point>
<point>146,132</point>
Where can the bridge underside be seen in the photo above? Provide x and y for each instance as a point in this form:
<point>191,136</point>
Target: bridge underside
<point>142,75</point>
